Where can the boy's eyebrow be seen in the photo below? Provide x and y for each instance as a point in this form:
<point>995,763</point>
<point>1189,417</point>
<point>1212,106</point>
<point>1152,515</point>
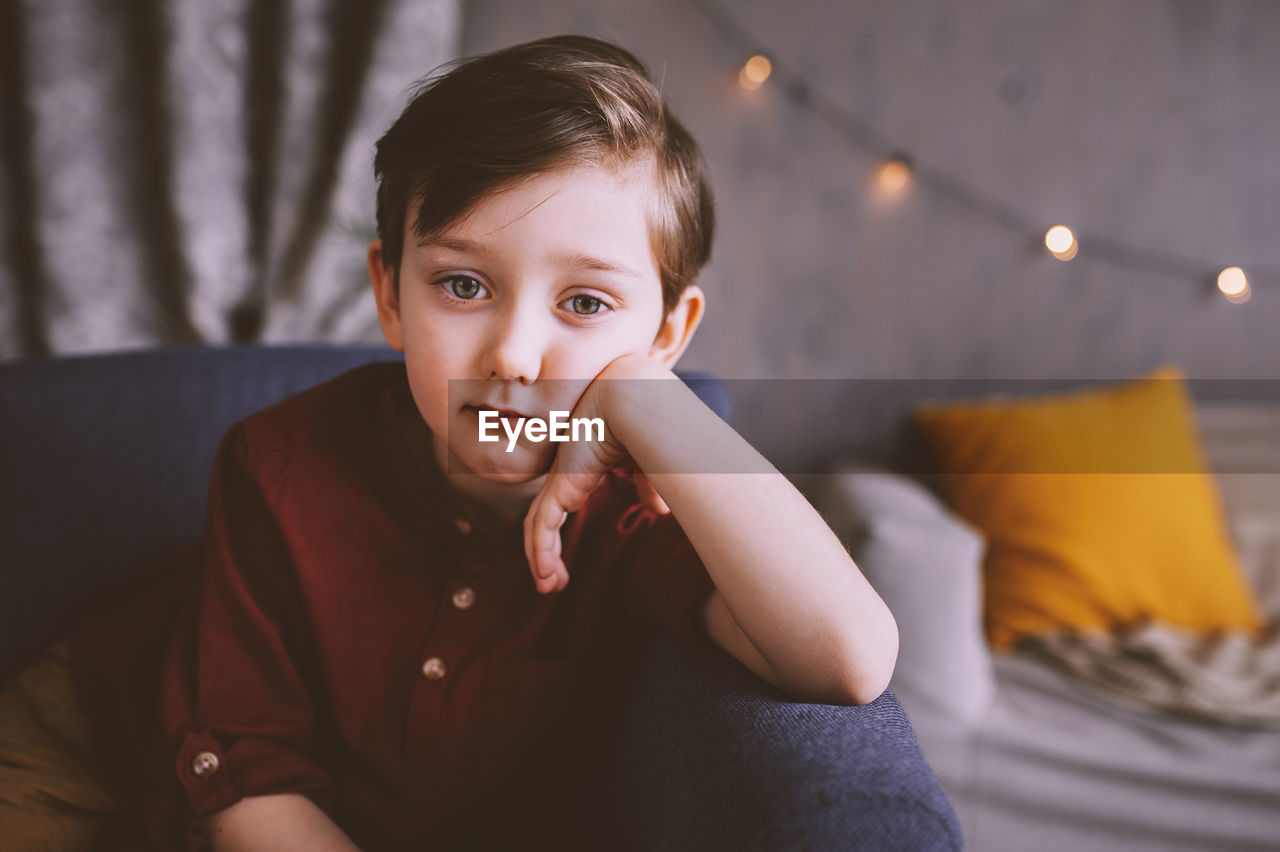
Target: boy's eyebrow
<point>452,243</point>
<point>578,260</point>
<point>574,259</point>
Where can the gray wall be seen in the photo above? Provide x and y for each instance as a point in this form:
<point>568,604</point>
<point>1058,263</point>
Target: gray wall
<point>1154,122</point>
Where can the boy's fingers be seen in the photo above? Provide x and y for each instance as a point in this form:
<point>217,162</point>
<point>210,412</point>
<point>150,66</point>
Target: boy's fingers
<point>542,543</point>
<point>563,492</point>
<point>530,539</point>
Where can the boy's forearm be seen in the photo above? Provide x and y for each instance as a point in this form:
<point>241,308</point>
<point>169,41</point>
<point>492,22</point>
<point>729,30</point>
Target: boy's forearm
<point>276,822</point>
<point>784,575</point>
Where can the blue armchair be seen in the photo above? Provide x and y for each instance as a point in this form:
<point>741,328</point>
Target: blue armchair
<point>104,461</point>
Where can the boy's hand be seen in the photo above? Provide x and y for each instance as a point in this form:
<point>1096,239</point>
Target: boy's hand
<point>577,470</point>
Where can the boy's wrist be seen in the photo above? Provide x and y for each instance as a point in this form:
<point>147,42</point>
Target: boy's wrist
<point>628,386</point>
<point>634,366</point>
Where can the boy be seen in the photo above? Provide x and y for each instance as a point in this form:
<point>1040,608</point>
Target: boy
<point>366,655</point>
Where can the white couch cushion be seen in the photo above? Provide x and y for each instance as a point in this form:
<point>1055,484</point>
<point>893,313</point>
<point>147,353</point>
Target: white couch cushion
<point>926,564</point>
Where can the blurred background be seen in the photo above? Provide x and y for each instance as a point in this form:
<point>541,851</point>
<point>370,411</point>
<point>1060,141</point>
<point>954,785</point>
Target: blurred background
<point>199,171</point>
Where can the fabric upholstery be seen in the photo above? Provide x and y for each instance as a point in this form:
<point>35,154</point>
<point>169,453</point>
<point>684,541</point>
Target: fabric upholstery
<point>106,461</point>
<point>55,795</point>
<point>716,760</point>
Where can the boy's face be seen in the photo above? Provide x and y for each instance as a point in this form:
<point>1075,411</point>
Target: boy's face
<point>545,282</point>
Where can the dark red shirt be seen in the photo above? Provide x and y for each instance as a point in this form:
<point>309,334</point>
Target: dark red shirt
<point>350,638</point>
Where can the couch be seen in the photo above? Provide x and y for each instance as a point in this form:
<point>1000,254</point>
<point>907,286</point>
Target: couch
<point>1033,757</point>
<point>104,461</point>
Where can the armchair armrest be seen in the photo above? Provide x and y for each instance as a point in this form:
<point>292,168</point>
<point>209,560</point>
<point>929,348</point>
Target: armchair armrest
<point>711,757</point>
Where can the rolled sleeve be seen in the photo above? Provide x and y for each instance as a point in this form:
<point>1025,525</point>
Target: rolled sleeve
<point>236,701</point>
<point>666,584</point>
<point>215,778</point>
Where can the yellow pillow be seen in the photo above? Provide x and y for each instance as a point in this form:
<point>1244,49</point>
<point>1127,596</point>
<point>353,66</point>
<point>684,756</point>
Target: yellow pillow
<point>1098,509</point>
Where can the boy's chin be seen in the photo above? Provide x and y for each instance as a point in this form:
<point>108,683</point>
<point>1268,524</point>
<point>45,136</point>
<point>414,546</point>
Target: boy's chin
<point>508,478</point>
<point>513,468</point>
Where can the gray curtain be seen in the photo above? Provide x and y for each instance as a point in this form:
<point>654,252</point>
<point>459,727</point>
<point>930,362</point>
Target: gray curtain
<point>180,171</point>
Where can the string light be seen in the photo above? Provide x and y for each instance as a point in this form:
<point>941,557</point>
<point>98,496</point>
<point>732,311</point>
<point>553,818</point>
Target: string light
<point>1234,284</point>
<point>897,171</point>
<point>755,72</point>
<point>894,175</point>
<point>1061,243</point>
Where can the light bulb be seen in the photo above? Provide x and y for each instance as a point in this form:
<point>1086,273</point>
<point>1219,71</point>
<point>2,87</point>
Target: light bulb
<point>1061,242</point>
<point>755,72</point>
<point>1232,281</point>
<point>893,176</point>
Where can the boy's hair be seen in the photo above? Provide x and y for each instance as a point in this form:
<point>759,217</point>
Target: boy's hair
<point>495,119</point>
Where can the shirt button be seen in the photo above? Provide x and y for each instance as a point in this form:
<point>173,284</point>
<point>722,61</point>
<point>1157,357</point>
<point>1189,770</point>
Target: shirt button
<point>464,597</point>
<point>433,668</point>
<point>204,764</point>
<point>463,525</point>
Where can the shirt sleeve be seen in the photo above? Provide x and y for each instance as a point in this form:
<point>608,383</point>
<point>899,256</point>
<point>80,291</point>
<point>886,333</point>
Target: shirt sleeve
<point>236,712</point>
<point>666,583</point>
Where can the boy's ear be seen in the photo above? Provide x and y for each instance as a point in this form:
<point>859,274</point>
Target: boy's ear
<point>674,336</point>
<point>383,280</point>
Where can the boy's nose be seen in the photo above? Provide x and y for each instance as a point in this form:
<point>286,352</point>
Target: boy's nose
<point>516,350</point>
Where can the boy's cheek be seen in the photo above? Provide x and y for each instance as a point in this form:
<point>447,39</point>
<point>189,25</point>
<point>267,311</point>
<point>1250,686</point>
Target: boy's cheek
<point>637,365</point>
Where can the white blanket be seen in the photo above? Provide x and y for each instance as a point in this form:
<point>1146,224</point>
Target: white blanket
<point>1225,678</point>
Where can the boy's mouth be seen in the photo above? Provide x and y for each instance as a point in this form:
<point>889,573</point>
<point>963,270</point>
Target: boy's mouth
<point>503,413</point>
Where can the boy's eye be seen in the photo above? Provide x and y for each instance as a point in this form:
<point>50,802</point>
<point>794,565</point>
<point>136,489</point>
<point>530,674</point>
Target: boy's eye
<point>586,305</point>
<point>463,287</point>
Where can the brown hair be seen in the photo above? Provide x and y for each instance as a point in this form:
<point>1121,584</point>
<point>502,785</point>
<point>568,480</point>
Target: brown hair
<point>492,120</point>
